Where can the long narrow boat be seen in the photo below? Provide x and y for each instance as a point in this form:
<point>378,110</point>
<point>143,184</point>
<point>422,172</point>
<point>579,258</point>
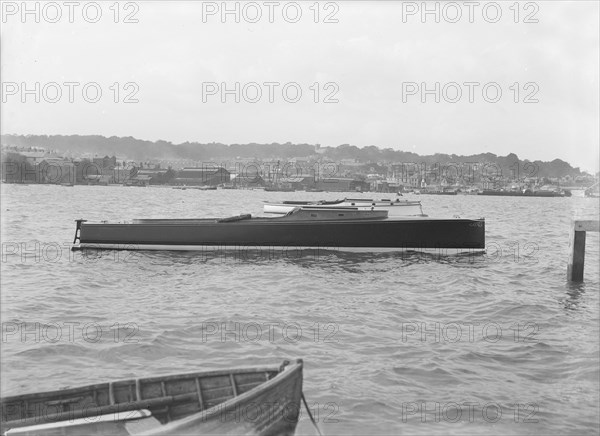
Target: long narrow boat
<point>256,401</point>
<point>395,208</point>
<point>528,193</point>
<point>304,227</point>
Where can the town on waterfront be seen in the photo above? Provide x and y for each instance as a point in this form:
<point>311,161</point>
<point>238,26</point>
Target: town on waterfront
<point>300,217</point>
<point>282,167</point>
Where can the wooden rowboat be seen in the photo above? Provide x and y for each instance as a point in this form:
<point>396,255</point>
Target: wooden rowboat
<point>256,401</point>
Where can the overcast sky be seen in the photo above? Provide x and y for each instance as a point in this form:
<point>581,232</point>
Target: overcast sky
<point>371,65</point>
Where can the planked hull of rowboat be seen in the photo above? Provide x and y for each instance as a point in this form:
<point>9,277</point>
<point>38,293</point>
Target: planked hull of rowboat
<point>253,401</point>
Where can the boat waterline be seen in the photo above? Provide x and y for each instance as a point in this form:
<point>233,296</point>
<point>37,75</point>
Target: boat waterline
<point>285,251</point>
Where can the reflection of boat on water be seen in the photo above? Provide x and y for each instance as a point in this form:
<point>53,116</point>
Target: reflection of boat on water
<point>395,208</point>
<point>208,402</point>
<point>308,226</point>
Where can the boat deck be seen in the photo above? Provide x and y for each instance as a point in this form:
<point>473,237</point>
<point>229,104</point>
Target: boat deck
<point>254,219</point>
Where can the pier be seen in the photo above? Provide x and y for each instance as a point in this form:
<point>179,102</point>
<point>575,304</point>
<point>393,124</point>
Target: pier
<point>577,247</point>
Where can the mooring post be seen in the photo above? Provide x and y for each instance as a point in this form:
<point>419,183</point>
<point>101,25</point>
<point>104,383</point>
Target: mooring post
<point>577,247</point>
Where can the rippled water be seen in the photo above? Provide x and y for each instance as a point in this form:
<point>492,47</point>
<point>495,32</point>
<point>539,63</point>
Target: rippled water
<point>514,337</point>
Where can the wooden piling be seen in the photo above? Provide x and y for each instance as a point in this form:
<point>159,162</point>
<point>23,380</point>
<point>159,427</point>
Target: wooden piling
<point>577,247</point>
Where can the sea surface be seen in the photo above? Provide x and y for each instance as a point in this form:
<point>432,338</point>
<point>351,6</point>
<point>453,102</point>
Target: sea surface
<point>393,343</point>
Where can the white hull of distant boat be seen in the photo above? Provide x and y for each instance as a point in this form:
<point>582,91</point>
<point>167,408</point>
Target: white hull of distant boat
<point>394,208</point>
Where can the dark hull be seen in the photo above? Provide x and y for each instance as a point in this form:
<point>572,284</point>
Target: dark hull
<point>382,233</point>
<point>524,194</point>
<point>440,193</point>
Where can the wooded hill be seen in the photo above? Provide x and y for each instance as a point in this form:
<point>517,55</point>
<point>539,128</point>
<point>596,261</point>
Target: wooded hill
<point>140,150</point>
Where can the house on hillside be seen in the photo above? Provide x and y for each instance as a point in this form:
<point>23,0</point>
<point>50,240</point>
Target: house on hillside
<point>342,184</point>
<point>156,176</point>
<point>34,157</point>
<point>105,162</point>
<point>139,180</point>
<point>212,176</point>
<point>297,183</point>
<point>56,171</point>
<point>247,181</point>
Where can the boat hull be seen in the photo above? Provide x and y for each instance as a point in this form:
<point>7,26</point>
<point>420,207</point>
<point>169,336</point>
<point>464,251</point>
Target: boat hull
<point>386,233</point>
<point>257,401</point>
<point>523,194</point>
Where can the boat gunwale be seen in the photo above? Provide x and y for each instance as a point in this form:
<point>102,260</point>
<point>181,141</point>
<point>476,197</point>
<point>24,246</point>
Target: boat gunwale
<point>277,220</point>
<point>166,377</point>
